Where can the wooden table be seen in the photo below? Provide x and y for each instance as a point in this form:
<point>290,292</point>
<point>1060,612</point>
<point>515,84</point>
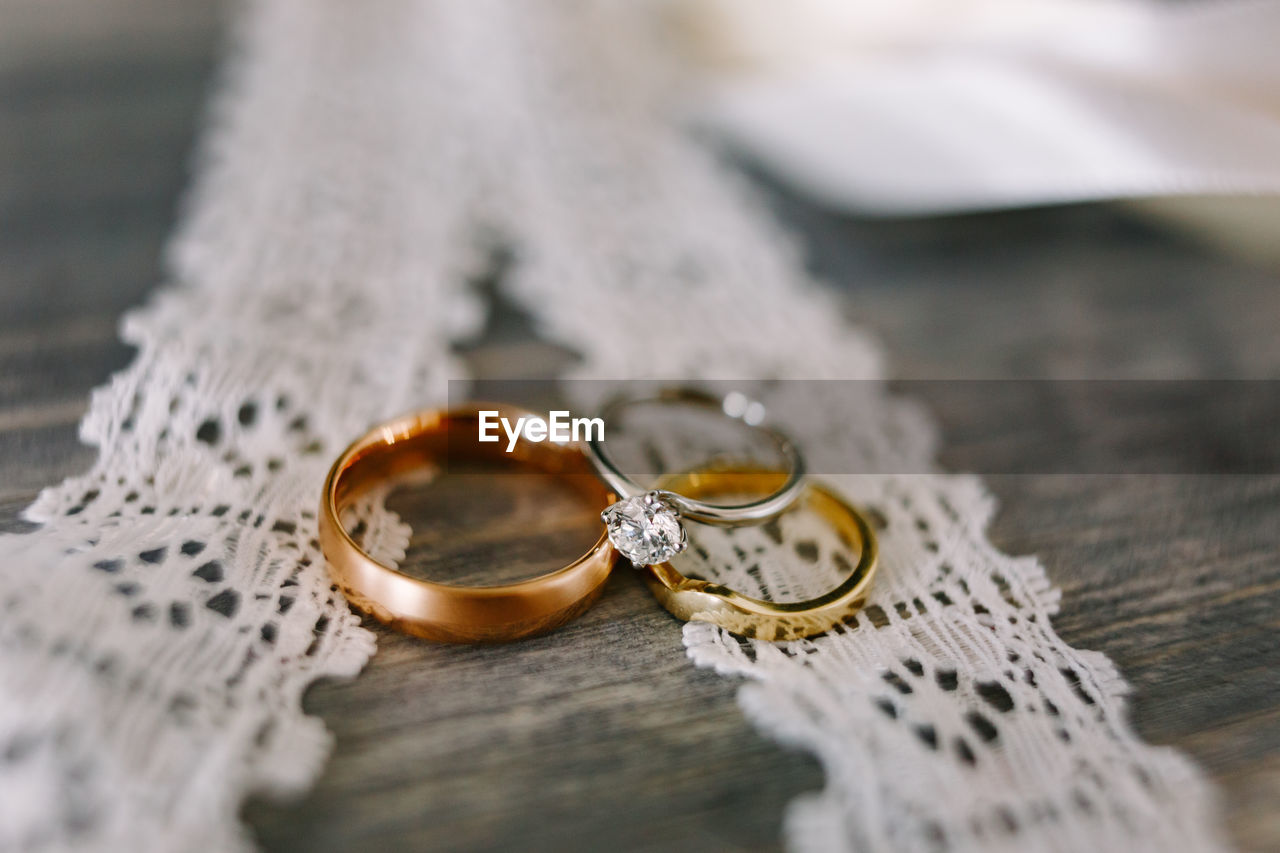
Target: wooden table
<point>603,734</point>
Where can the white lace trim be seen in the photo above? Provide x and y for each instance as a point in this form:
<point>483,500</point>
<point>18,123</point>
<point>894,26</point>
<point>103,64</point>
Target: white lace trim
<point>169,612</point>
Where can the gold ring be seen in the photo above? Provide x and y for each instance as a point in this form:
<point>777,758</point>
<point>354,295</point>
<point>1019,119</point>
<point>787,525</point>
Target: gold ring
<point>446,612</point>
<point>699,600</point>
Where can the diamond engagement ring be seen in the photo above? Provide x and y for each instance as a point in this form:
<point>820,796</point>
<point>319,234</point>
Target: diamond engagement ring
<point>647,525</point>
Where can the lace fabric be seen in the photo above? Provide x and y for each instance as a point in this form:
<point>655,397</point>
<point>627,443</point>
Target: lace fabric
<point>162,623</point>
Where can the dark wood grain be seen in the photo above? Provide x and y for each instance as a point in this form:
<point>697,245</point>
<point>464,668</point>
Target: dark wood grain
<point>603,735</point>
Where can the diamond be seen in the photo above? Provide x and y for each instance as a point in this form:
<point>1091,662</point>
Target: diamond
<point>645,529</point>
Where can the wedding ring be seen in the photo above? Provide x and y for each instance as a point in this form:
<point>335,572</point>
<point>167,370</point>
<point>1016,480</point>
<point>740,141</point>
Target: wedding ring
<point>699,600</point>
<point>646,526</point>
<point>445,612</point>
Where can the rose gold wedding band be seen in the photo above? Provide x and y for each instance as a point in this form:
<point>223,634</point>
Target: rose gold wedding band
<point>446,612</point>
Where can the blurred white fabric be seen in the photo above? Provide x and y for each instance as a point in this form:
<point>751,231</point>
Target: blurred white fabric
<point>934,106</point>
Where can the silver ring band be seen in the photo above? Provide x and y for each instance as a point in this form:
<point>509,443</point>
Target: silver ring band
<point>734,406</point>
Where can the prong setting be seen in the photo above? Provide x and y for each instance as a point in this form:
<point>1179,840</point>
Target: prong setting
<point>645,528</point>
